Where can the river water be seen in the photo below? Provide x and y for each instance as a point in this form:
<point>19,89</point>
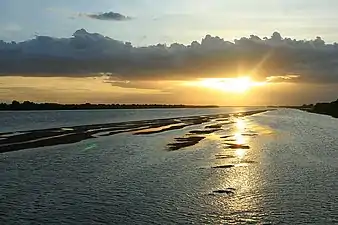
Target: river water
<point>276,167</point>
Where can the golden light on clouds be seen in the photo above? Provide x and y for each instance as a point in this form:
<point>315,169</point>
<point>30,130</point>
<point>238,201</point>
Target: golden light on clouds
<point>234,85</point>
<point>241,91</point>
<point>66,90</point>
<point>69,84</point>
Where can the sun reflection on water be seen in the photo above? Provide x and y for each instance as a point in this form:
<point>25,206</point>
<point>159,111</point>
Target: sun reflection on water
<point>239,138</point>
<point>240,124</point>
<point>240,153</point>
<point>246,178</point>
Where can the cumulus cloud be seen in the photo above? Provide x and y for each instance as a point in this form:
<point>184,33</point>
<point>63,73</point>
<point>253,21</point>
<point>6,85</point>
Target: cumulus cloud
<point>108,16</point>
<point>274,59</point>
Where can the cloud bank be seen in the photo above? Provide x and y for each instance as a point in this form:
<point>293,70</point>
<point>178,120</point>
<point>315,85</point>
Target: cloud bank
<point>108,16</point>
<point>276,59</point>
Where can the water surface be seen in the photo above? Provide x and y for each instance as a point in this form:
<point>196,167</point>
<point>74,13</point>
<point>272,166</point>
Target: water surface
<point>277,167</point>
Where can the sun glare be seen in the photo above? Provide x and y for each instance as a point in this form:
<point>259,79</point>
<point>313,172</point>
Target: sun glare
<point>237,85</point>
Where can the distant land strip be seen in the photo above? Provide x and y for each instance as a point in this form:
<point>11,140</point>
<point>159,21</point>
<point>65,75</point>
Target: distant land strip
<point>329,108</point>
<point>326,108</point>
<point>27,105</point>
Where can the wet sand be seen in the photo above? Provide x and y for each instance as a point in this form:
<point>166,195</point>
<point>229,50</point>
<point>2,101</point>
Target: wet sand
<point>19,140</point>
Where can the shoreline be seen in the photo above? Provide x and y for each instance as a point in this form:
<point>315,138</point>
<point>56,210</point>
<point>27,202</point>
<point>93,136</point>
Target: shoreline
<point>330,108</point>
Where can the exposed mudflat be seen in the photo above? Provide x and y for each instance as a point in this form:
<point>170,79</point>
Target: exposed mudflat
<point>19,140</point>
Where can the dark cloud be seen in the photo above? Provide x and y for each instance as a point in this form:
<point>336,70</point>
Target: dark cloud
<point>108,16</point>
<point>276,59</point>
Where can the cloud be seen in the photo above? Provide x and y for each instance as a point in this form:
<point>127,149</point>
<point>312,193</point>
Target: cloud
<point>273,59</point>
<point>108,16</point>
<point>279,79</point>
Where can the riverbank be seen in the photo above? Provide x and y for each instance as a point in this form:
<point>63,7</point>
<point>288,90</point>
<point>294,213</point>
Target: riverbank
<point>330,108</point>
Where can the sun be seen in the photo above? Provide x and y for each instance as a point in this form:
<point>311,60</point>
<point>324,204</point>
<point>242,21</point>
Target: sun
<point>241,84</point>
<point>236,85</point>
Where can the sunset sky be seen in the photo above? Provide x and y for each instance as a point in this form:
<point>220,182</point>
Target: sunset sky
<point>242,52</point>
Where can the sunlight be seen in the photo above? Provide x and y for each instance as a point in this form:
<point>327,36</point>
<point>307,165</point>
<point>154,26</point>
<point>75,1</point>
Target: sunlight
<point>236,85</point>
<point>240,153</point>
<point>239,138</point>
<point>240,124</point>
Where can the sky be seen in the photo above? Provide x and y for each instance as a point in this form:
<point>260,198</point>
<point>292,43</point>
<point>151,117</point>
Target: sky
<point>158,21</point>
<point>106,51</point>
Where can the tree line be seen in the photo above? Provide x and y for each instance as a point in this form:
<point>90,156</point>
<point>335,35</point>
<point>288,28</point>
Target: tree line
<point>27,105</point>
<point>330,108</point>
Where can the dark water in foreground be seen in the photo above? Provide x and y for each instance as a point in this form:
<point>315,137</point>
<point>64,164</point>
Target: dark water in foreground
<point>283,170</point>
